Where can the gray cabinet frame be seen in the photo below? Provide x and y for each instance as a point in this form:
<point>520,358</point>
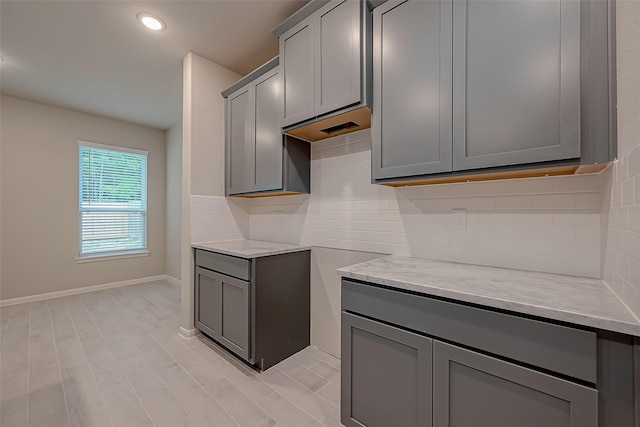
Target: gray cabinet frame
<point>569,120</point>
<point>583,401</point>
<point>234,315</point>
<point>587,99</point>
<point>423,394</point>
<point>257,308</point>
<point>381,146</point>
<point>267,161</point>
<point>203,304</point>
<point>236,312</point>
<point>358,67</point>
<point>352,68</point>
<point>291,66</point>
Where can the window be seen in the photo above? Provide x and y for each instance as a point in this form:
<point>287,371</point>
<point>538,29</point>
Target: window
<point>113,200</point>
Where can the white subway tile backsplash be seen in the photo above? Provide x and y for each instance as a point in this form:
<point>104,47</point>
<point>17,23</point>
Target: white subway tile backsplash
<point>575,183</point>
<point>514,203</point>
<point>553,201</point>
<point>589,200</point>
<point>218,218</point>
<point>546,224</point>
<point>621,226</point>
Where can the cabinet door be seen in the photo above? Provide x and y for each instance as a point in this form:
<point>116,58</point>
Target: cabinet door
<point>207,302</point>
<point>386,375</point>
<point>516,80</point>
<point>268,138</point>
<point>240,153</point>
<point>297,73</point>
<point>471,389</point>
<point>337,55</point>
<point>234,315</point>
<point>412,118</point>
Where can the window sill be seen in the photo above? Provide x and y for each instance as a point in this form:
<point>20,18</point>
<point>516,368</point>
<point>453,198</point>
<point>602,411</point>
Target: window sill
<point>112,256</point>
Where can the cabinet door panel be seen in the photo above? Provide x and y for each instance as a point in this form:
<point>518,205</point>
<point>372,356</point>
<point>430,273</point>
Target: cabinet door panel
<point>297,73</point>
<point>412,79</point>
<point>234,315</point>
<point>516,93</point>
<point>386,375</point>
<point>268,138</point>
<point>240,153</point>
<point>471,389</point>
<point>337,65</point>
<point>207,299</point>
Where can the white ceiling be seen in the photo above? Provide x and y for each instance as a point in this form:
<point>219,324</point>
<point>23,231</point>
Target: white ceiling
<point>94,56</point>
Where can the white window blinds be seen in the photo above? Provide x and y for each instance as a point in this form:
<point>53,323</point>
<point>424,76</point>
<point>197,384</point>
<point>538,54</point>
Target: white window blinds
<point>113,199</point>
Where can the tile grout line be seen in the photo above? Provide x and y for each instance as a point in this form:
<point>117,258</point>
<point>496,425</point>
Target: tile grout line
<point>104,405</point>
<point>55,345</point>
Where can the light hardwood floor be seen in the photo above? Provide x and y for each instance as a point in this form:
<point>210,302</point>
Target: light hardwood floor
<point>114,358</point>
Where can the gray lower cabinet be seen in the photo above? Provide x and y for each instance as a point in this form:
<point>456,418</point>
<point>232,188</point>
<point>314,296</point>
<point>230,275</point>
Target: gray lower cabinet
<point>472,389</point>
<point>259,158</point>
<point>412,360</point>
<point>463,85</point>
<point>257,308</point>
<point>207,297</point>
<point>234,315</point>
<point>384,367</point>
<point>222,309</point>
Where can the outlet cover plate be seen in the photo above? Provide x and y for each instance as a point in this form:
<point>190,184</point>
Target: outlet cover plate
<point>459,219</point>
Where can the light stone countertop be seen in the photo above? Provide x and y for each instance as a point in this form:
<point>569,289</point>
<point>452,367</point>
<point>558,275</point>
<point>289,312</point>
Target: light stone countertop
<point>578,300</point>
<point>249,249</point>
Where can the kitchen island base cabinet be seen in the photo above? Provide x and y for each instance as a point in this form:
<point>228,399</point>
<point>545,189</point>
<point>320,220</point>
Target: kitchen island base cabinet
<point>387,368</point>
<point>257,308</point>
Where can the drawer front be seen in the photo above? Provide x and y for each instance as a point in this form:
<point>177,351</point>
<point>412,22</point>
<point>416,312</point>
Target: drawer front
<point>225,264</point>
<point>556,348</point>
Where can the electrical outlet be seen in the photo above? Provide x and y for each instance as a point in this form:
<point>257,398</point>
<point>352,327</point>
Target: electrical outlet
<point>277,217</point>
<point>459,219</point>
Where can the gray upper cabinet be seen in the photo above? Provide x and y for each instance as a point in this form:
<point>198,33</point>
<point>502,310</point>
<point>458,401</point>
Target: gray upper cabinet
<point>322,62</point>
<point>240,142</point>
<point>297,73</point>
<point>259,158</point>
<point>475,86</point>
<point>516,73</point>
<point>337,57</point>
<point>471,389</point>
<point>412,88</point>
<point>268,139</point>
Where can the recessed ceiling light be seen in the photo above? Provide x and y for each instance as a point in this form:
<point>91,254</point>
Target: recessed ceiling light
<point>150,21</point>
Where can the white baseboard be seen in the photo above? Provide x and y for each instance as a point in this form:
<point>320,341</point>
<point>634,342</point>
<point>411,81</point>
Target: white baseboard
<point>172,280</point>
<point>189,333</point>
<point>67,292</point>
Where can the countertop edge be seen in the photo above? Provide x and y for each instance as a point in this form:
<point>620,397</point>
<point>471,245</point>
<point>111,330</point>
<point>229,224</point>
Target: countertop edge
<point>512,306</point>
<point>203,246</point>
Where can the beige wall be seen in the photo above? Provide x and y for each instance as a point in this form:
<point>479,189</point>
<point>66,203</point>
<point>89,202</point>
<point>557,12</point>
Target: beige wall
<point>325,294</point>
<point>621,211</point>
<point>174,194</point>
<point>202,153</point>
<point>206,104</point>
<point>40,198</point>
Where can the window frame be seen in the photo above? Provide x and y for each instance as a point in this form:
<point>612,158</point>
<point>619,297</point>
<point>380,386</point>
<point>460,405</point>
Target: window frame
<point>118,253</point>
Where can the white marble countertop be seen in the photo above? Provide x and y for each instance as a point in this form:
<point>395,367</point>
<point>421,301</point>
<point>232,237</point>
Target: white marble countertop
<point>578,300</point>
<point>249,248</point>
